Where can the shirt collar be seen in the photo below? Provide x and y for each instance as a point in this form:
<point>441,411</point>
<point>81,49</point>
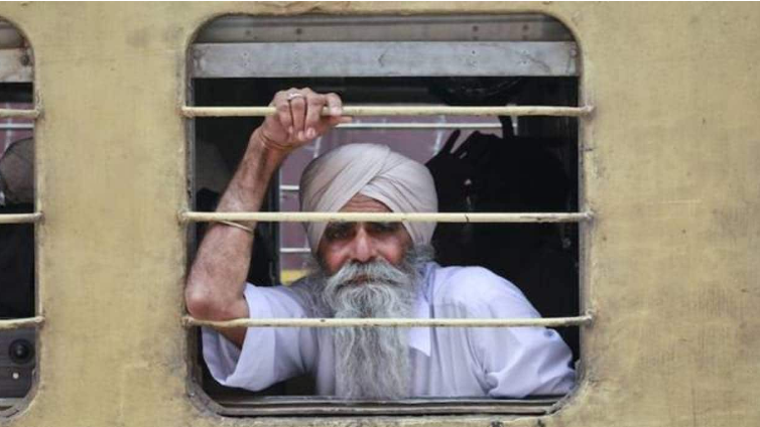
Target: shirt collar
<point>419,337</point>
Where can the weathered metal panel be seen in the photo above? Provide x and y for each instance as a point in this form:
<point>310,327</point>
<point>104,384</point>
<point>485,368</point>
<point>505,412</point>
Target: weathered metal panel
<point>312,28</point>
<point>671,167</point>
<point>384,59</point>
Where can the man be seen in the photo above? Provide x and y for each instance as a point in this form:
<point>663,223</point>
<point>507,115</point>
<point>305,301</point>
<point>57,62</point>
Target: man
<point>368,269</point>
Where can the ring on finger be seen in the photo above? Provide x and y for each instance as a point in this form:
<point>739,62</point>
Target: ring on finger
<point>294,95</point>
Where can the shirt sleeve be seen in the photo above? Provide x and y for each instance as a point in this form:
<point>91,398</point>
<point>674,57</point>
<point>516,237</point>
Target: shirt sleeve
<point>269,355</point>
<point>521,362</point>
<point>514,362</point>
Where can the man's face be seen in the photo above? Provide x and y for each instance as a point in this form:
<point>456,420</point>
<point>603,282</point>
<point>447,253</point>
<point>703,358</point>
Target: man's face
<point>367,272</point>
<point>362,242</point>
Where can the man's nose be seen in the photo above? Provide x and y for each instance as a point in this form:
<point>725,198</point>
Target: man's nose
<point>363,247</point>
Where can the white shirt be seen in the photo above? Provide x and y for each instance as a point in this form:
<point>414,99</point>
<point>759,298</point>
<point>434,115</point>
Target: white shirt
<point>446,362</point>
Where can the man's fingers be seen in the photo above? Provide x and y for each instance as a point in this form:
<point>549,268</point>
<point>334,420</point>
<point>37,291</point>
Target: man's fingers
<point>334,104</point>
<point>297,103</point>
<point>315,102</point>
<point>283,112</point>
<point>299,113</point>
<point>335,109</point>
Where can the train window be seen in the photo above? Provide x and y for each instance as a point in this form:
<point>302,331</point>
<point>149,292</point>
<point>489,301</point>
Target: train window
<point>18,215</point>
<point>505,167</point>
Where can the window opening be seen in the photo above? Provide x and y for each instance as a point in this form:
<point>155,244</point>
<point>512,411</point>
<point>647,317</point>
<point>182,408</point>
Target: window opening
<point>524,164</point>
<point>18,334</point>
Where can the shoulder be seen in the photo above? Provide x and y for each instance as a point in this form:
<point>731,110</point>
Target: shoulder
<point>468,284</point>
<point>478,290</point>
<point>268,300</point>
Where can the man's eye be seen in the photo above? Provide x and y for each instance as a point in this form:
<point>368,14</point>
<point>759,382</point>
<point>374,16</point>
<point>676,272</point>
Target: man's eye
<point>383,227</point>
<point>339,231</point>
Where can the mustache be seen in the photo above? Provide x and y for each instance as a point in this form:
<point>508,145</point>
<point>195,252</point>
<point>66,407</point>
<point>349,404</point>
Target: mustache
<point>324,292</point>
<point>378,271</point>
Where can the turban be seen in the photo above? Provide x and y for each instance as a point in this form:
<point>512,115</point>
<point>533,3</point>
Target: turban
<point>372,170</point>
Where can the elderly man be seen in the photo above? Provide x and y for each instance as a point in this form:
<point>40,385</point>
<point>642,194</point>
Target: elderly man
<point>372,269</point>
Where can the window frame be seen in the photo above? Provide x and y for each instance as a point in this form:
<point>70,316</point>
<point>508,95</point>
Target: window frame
<point>289,405</point>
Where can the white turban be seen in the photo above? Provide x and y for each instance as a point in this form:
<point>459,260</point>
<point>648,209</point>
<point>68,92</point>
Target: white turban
<point>375,171</point>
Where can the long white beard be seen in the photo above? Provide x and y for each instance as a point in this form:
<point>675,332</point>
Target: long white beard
<point>373,362</point>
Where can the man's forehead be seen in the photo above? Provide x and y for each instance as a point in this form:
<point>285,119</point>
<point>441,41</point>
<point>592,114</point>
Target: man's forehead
<point>362,203</point>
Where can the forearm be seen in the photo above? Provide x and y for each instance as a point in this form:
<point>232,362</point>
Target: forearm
<point>216,283</point>
<point>248,187</point>
<point>218,275</point>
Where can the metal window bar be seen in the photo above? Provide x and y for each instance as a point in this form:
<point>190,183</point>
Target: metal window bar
<point>418,126</point>
<point>16,126</point>
<point>289,251</point>
<point>400,110</point>
<point>454,217</point>
<point>549,322</point>
<point>21,218</point>
<point>27,322</point>
<point>6,113</point>
<point>289,188</point>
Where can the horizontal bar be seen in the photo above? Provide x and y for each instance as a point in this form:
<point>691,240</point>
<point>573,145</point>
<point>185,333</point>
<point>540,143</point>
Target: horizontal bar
<point>384,59</point>
<point>393,217</point>
<point>6,113</point>
<point>400,110</point>
<point>288,187</point>
<point>295,250</point>
<point>418,126</point>
<point>29,322</point>
<point>551,322</point>
<point>311,406</point>
<point>16,126</point>
<point>20,218</point>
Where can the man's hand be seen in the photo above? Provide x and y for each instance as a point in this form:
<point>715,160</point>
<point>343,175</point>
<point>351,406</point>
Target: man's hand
<point>216,283</point>
<point>299,118</point>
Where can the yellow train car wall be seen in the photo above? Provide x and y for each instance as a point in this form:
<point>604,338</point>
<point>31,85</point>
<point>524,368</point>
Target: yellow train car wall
<point>671,163</point>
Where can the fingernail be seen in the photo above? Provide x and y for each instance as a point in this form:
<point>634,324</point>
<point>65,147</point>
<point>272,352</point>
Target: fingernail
<point>335,111</point>
<point>311,133</point>
<point>300,134</point>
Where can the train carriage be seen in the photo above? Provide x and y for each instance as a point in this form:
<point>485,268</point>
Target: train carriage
<point>646,112</point>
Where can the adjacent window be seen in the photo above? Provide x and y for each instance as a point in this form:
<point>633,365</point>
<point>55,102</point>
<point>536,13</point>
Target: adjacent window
<point>17,217</point>
<point>498,164</point>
